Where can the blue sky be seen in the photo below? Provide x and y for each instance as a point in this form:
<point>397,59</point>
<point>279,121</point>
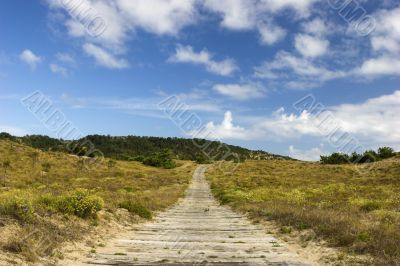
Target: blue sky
<point>238,65</point>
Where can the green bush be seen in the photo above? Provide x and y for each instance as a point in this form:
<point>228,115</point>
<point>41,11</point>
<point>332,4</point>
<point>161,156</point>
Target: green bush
<point>335,158</point>
<point>201,159</point>
<point>386,152</point>
<point>162,159</point>
<point>136,208</point>
<point>80,203</point>
<point>17,205</point>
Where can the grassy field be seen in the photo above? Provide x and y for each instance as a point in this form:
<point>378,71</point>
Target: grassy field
<point>55,195</point>
<point>357,209</point>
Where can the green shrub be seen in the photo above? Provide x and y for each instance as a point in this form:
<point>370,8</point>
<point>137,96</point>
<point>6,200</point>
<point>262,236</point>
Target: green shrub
<point>169,164</point>
<point>136,208</point>
<point>201,159</point>
<point>335,158</point>
<point>80,203</point>
<point>386,152</point>
<point>18,205</point>
<point>162,159</point>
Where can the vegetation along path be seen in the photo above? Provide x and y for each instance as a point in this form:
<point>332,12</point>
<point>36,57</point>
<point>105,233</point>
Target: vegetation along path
<point>197,231</point>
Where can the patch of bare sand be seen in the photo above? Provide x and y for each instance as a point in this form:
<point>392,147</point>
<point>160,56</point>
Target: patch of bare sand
<point>110,226</point>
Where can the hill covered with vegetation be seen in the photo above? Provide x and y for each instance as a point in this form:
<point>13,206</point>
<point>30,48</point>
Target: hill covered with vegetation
<point>133,147</point>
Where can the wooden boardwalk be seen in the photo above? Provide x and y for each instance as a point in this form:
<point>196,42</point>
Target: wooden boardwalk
<point>196,231</point>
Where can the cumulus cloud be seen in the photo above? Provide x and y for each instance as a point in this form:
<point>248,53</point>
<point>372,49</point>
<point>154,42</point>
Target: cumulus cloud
<point>104,58</point>
<point>387,30</point>
<point>385,41</point>
<point>225,130</point>
<point>159,16</point>
<point>310,46</point>
<point>30,58</point>
<point>373,122</point>
<point>300,67</point>
<point>240,91</point>
<point>123,17</point>
<point>186,54</point>
<point>236,15</point>
<point>55,68</point>
<point>120,21</point>
<point>317,27</point>
<point>301,8</point>
<point>383,65</point>
<point>271,34</point>
<point>253,15</point>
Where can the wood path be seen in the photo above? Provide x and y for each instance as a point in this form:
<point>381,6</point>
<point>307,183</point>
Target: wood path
<point>197,231</point>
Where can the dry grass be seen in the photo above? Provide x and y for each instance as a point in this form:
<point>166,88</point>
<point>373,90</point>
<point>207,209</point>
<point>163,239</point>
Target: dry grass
<point>36,203</point>
<point>358,209</point>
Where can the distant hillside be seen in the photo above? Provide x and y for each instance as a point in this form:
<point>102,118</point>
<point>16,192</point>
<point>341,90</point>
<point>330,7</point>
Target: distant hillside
<point>125,148</point>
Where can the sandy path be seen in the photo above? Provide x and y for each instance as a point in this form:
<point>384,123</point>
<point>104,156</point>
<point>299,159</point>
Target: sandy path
<point>196,231</point>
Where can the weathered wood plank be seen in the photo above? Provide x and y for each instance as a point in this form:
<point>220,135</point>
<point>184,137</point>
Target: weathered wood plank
<point>197,231</point>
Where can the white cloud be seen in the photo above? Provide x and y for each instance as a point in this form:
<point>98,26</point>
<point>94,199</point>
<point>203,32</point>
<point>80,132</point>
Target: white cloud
<point>301,67</point>
<point>385,41</point>
<point>386,35</point>
<point>316,27</point>
<point>271,34</point>
<point>123,17</point>
<point>384,65</point>
<point>301,8</point>
<point>373,122</point>
<point>310,46</point>
<point>30,58</point>
<point>159,16</point>
<point>55,68</point>
<point>236,15</point>
<point>225,130</point>
<point>240,91</point>
<point>375,119</point>
<point>104,58</point>
<point>81,15</point>
<point>312,154</point>
<point>253,15</point>
<point>381,44</point>
<point>185,54</point>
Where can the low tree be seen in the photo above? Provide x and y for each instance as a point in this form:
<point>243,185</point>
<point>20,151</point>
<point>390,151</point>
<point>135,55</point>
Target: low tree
<point>386,152</point>
<point>369,156</point>
<point>335,158</point>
